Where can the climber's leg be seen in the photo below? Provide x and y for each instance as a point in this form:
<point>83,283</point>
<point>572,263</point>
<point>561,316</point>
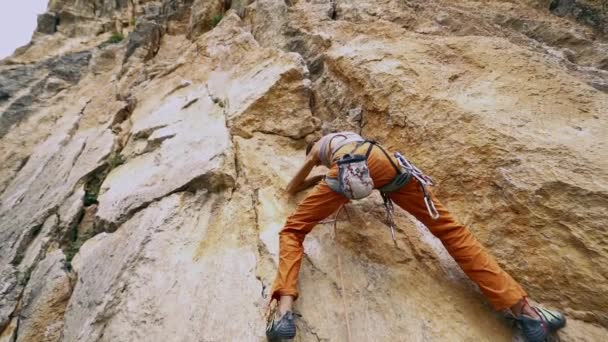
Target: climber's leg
<point>285,304</point>
<point>502,291</point>
<point>319,204</point>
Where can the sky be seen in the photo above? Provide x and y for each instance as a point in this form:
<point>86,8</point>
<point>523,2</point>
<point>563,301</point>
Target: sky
<point>17,23</point>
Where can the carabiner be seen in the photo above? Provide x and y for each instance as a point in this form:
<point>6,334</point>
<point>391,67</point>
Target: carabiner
<point>430,206</point>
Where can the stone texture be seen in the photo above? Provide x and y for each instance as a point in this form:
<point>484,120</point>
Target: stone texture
<point>477,134</point>
<point>194,116</point>
<point>36,83</point>
<point>592,13</point>
<point>42,185</point>
<point>47,23</point>
<point>204,13</point>
<point>9,333</point>
<point>156,277</point>
<point>161,164</point>
<point>187,120</point>
<point>279,85</point>
<point>145,38</point>
<point>76,17</point>
<point>44,300</point>
<point>15,78</point>
<point>69,67</point>
<point>36,250</point>
<point>269,18</point>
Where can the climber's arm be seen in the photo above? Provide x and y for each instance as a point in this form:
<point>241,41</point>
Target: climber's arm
<point>299,181</point>
<point>310,182</point>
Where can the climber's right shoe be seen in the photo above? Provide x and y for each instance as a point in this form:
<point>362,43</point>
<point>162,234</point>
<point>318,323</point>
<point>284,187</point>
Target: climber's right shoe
<point>281,329</point>
<point>537,330</point>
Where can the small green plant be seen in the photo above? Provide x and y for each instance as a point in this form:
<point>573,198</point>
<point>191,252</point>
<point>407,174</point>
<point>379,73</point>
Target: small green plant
<point>18,258</point>
<point>36,230</point>
<point>92,186</point>
<point>115,159</point>
<point>216,20</point>
<point>133,22</point>
<point>74,246</point>
<point>25,277</point>
<point>116,38</point>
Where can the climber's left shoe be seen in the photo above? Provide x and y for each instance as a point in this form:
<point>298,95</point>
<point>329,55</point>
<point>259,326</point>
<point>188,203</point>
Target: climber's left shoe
<point>281,329</point>
<point>537,330</point>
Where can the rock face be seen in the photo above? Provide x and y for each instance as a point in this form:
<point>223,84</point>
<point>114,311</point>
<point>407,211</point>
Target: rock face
<point>44,300</point>
<point>142,179</point>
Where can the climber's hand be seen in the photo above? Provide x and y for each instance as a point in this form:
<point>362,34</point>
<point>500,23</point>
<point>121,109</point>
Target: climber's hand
<point>299,181</point>
<point>309,182</point>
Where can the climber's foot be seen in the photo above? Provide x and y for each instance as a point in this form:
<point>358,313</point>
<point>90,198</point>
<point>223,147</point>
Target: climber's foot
<point>283,328</point>
<point>537,330</point>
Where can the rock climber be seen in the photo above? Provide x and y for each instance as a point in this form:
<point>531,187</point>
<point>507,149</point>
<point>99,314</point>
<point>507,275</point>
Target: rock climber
<point>337,151</point>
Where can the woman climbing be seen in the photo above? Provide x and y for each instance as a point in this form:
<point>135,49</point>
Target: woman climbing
<point>356,167</point>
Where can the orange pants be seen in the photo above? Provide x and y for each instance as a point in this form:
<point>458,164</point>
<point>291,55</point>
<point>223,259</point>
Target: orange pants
<point>500,289</point>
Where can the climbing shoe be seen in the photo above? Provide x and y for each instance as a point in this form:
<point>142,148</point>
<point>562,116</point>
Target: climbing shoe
<point>537,330</point>
<point>282,329</point>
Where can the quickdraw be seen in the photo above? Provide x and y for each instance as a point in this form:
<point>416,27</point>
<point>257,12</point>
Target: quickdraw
<point>423,180</point>
<point>388,206</point>
<point>405,172</point>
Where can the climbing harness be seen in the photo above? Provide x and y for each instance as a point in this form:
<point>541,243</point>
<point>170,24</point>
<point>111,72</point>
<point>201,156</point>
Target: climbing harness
<point>407,172</point>
<point>354,180</point>
<point>388,206</point>
<point>424,182</point>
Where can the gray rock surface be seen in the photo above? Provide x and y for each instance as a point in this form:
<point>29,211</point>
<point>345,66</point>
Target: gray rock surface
<point>189,121</point>
<point>145,38</point>
<point>31,85</point>
<point>41,187</point>
<point>590,13</point>
<point>205,14</point>
<point>44,300</point>
<point>16,78</point>
<point>157,262</point>
<point>47,23</point>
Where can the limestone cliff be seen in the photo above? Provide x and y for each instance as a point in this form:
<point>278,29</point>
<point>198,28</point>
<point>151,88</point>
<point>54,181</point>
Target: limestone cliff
<point>145,146</point>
